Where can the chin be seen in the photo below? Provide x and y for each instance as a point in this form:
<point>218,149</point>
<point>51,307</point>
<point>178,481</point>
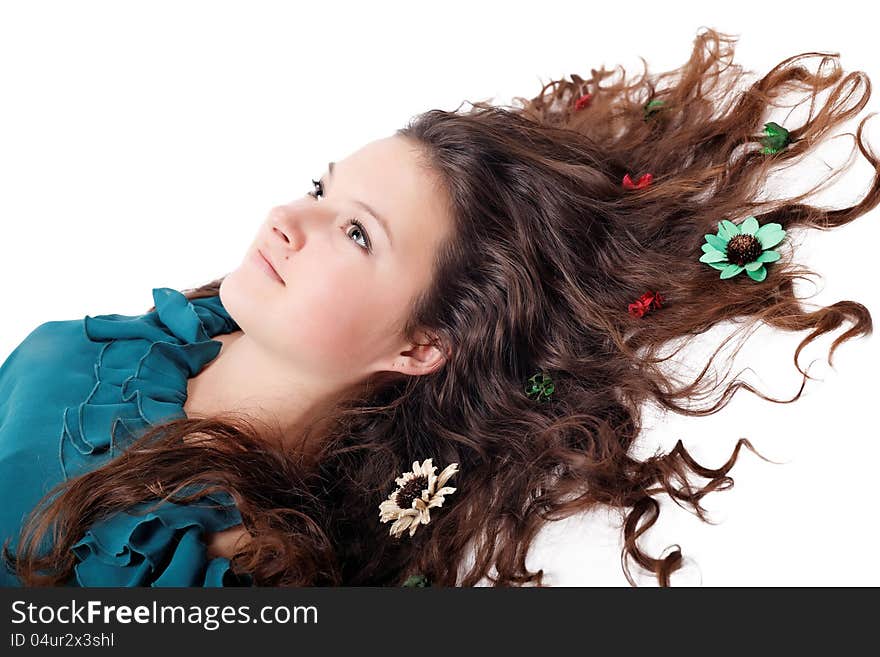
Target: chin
<point>237,297</point>
<point>220,289</point>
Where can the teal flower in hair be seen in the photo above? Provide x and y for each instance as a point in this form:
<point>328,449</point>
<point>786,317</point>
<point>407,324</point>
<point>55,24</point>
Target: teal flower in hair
<point>650,108</point>
<point>418,580</point>
<point>540,387</point>
<point>775,138</point>
<point>744,247</point>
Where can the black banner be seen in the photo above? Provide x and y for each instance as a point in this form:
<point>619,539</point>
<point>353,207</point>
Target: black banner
<point>421,620</point>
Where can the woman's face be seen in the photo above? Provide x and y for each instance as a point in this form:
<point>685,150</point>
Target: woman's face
<point>346,290</point>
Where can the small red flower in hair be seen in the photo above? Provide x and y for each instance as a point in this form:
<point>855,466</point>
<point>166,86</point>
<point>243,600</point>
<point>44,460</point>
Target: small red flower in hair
<point>583,102</point>
<point>642,182</point>
<point>644,303</point>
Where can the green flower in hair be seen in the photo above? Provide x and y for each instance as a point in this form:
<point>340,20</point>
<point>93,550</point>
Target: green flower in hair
<point>417,580</point>
<point>541,386</point>
<point>735,248</point>
<point>652,107</point>
<point>775,138</point>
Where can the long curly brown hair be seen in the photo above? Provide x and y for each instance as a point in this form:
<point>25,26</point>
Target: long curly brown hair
<point>549,251</point>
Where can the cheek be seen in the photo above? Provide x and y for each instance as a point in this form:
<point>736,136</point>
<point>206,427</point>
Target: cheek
<point>334,322</point>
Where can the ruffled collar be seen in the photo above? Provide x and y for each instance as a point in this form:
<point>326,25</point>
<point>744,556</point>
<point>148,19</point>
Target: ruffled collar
<point>141,374</point>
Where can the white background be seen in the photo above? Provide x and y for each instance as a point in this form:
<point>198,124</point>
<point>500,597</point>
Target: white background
<point>142,143</point>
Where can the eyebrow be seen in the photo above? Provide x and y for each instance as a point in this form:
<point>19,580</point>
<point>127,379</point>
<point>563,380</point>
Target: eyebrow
<point>382,222</point>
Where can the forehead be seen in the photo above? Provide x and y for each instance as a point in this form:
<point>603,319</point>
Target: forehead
<point>391,175</point>
<point>390,157</point>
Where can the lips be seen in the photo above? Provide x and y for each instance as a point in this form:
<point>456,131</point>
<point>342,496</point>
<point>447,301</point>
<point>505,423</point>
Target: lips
<point>270,265</point>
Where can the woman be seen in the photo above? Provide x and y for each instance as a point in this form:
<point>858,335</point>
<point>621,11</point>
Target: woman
<point>494,314</point>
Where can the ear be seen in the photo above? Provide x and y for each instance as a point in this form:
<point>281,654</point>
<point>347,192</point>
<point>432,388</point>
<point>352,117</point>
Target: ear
<point>420,358</point>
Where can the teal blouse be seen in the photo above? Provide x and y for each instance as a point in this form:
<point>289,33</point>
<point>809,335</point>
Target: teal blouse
<point>73,395</point>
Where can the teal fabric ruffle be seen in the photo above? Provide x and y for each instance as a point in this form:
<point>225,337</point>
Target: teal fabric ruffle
<point>161,548</point>
<point>141,376</point>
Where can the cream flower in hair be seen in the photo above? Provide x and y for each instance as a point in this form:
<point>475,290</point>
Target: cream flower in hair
<point>417,492</point>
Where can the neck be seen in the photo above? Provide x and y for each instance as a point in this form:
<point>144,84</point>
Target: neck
<point>244,379</point>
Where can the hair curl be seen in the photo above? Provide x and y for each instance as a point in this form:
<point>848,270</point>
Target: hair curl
<point>548,251</point>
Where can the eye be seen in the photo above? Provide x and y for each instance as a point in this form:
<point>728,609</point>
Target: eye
<point>318,192</point>
<point>360,229</point>
<point>319,188</point>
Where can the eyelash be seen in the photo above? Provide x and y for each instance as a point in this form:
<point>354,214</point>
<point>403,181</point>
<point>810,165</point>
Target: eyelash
<point>319,189</point>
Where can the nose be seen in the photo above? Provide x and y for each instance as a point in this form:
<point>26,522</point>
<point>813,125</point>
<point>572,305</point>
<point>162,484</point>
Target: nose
<point>289,224</point>
<point>285,222</point>
<point>276,230</point>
